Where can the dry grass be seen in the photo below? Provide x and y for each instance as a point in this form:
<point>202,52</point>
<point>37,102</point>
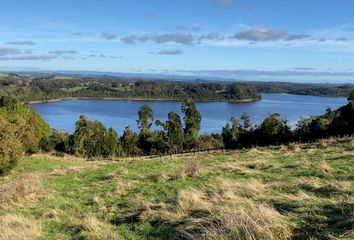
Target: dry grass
<point>115,174</point>
<point>245,221</point>
<point>294,147</point>
<point>89,227</point>
<point>69,170</point>
<point>324,168</point>
<point>23,187</point>
<point>226,213</point>
<point>258,165</point>
<point>190,169</point>
<point>251,188</point>
<point>161,177</point>
<point>193,200</point>
<point>19,228</point>
<point>53,214</point>
<point>121,171</point>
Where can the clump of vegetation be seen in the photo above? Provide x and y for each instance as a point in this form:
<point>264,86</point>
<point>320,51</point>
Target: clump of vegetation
<point>21,130</point>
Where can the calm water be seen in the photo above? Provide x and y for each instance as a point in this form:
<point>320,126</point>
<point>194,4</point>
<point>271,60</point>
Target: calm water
<point>121,113</point>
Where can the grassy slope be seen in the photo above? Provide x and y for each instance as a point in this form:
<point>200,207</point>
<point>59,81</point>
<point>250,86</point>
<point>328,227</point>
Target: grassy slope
<point>311,187</point>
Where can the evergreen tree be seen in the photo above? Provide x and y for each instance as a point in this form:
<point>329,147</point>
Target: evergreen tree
<point>129,141</point>
<point>247,124</point>
<point>192,120</point>
<point>231,134</point>
<point>146,118</point>
<point>174,132</point>
<point>111,145</point>
<point>351,97</point>
<point>145,121</point>
<point>88,138</point>
<point>273,130</point>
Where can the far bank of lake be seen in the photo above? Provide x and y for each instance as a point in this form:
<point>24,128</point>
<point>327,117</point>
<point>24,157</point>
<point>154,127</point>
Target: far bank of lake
<point>119,113</point>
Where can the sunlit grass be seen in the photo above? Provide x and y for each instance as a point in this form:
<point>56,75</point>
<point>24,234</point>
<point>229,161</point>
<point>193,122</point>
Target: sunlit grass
<point>298,192</point>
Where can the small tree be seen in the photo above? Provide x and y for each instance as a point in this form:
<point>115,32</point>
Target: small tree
<point>129,141</point>
<point>273,130</point>
<point>230,134</point>
<point>111,144</point>
<point>174,132</point>
<point>88,138</point>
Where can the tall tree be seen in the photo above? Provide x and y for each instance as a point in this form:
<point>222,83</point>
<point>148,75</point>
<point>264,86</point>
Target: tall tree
<point>247,124</point>
<point>146,118</point>
<point>145,121</point>
<point>192,120</point>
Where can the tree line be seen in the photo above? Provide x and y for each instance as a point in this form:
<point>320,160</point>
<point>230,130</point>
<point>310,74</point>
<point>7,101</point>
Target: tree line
<point>22,130</point>
<point>50,87</point>
<point>181,134</point>
<point>92,140</point>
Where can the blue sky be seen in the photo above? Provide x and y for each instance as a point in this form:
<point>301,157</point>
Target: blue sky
<point>238,39</point>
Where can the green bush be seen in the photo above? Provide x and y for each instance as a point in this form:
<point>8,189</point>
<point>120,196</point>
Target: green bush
<point>11,148</point>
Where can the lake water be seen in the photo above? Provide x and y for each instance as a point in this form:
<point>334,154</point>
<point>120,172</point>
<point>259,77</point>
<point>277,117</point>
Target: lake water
<point>121,113</point>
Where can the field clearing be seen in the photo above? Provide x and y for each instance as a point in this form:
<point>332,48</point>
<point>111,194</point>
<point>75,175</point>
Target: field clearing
<point>288,192</point>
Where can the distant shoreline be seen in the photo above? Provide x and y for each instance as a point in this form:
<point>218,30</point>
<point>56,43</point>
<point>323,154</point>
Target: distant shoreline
<point>136,99</point>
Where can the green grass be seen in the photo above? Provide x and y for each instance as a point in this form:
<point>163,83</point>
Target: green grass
<point>311,186</point>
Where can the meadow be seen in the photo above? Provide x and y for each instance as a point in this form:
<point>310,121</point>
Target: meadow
<point>296,191</point>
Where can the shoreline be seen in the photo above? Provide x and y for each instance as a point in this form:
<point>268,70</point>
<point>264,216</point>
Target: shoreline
<point>135,99</point>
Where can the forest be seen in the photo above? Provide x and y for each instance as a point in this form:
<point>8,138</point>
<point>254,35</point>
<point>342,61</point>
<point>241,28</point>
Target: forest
<point>28,89</point>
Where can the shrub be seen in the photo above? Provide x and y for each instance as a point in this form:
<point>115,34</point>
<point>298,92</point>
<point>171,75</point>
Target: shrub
<point>10,146</point>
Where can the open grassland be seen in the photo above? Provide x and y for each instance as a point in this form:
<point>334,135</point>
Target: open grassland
<point>288,192</point>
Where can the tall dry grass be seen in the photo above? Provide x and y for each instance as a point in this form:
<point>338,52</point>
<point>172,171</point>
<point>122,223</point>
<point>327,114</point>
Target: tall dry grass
<point>227,212</point>
<point>13,227</point>
<point>22,188</point>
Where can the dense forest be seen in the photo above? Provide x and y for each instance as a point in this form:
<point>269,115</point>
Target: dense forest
<point>23,131</point>
<point>53,87</point>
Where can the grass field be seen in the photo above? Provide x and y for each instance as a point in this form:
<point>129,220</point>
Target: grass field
<point>288,192</point>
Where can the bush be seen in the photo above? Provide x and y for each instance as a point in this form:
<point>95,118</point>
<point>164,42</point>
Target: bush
<point>54,142</point>
<point>10,146</point>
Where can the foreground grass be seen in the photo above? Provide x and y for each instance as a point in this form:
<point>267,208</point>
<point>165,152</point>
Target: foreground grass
<point>296,192</point>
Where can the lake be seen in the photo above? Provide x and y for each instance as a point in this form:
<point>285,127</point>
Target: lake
<point>121,113</point>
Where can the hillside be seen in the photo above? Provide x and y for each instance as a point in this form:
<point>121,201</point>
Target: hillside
<point>288,192</point>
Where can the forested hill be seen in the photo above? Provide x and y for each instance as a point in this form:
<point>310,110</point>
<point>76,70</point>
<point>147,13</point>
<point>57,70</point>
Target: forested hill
<point>334,90</point>
<point>26,88</point>
<point>40,87</point>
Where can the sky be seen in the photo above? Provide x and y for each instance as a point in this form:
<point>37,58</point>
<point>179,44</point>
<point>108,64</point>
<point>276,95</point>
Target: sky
<point>272,40</point>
